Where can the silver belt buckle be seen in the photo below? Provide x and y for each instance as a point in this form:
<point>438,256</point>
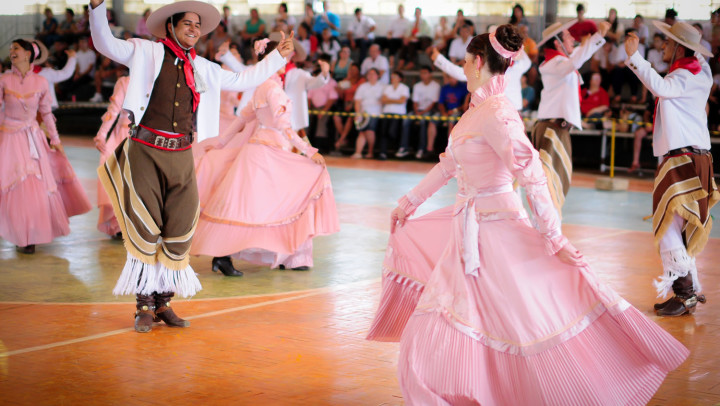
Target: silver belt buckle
<point>160,141</point>
<point>172,143</point>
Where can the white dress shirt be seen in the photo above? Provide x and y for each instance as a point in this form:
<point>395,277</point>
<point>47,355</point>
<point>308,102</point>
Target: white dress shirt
<point>297,83</point>
<point>655,57</point>
<point>396,93</point>
<point>680,119</point>
<point>398,27</point>
<point>560,97</point>
<point>361,29</point>
<point>458,48</point>
<point>381,64</point>
<point>369,96</point>
<point>425,95</point>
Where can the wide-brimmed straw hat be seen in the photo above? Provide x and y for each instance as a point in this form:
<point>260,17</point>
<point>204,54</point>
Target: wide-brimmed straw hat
<point>554,29</point>
<point>300,54</point>
<point>44,53</point>
<point>209,16</point>
<point>684,34</point>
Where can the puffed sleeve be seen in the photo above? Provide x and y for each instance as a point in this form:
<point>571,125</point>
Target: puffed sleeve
<point>45,110</point>
<point>506,136</point>
<point>438,176</point>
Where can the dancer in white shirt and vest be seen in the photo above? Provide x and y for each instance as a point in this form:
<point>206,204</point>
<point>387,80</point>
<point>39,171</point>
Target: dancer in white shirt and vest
<point>559,108</point>
<point>684,189</point>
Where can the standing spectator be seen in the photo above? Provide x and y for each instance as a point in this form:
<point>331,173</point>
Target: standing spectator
<point>322,98</point>
<point>518,16</point>
<point>442,32</point>
<point>49,33</point>
<point>595,102</point>
<point>377,61</point>
<point>361,33</point>
<point>615,33</point>
<point>459,45</point>
<point>254,28</point>
<point>309,17</point>
<point>347,88</point>
<point>329,45</point>
<point>308,42</point>
<point>425,95</point>
<point>642,30</point>
<point>327,20</point>
<point>341,66</point>
<point>528,93</point>
<point>417,37</point>
<point>141,29</point>
<point>450,104</point>
<point>655,54</point>
<point>670,16</point>
<point>394,99</point>
<point>395,34</point>
<point>283,15</point>
<point>367,101</point>
<point>228,21</point>
<point>582,27</point>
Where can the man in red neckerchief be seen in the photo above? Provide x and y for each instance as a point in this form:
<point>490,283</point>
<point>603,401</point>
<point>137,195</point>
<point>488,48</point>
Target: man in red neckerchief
<point>172,96</point>
<point>684,188</point>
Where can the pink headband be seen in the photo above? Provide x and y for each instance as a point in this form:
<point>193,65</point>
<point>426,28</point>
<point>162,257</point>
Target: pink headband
<point>500,49</point>
<point>260,46</point>
<point>36,50</point>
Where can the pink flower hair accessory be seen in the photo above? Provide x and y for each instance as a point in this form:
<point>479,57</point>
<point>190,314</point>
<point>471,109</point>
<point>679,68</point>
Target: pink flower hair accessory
<point>501,50</point>
<point>260,46</point>
<point>36,50</point>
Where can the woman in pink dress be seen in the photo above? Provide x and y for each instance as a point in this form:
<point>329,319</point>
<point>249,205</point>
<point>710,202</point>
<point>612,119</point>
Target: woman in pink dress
<point>490,310</point>
<point>38,188</point>
<point>107,223</point>
<point>271,201</point>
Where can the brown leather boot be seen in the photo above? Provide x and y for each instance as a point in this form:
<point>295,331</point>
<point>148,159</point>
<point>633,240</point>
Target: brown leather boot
<point>145,313</point>
<point>165,313</point>
<point>681,305</point>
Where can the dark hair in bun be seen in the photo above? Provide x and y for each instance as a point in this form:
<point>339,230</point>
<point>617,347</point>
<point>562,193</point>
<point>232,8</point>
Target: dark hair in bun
<point>26,45</point>
<point>508,36</point>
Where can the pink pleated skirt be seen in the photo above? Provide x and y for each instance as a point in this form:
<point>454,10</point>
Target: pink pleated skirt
<point>107,223</point>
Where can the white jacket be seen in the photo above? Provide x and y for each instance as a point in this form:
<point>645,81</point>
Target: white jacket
<point>560,97</point>
<point>297,83</point>
<point>144,58</point>
<point>56,76</point>
<point>680,118</point>
<point>513,91</point>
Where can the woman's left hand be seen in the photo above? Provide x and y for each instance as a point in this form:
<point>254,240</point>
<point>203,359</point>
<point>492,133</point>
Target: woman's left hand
<point>318,159</point>
<point>397,218</point>
<point>571,255</point>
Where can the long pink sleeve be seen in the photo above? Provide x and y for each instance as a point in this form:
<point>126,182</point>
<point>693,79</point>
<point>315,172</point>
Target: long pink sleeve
<point>114,109</point>
<point>511,144</point>
<point>438,176</point>
<point>246,115</point>
<point>45,110</point>
<point>278,103</point>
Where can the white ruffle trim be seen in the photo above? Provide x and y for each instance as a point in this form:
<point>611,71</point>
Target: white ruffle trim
<point>676,264</point>
<point>138,278</point>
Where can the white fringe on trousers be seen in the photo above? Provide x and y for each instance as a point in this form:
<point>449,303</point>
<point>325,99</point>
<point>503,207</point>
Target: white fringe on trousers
<point>138,278</point>
<point>675,259</point>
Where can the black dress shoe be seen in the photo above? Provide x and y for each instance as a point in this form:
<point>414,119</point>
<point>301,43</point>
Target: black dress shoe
<point>297,268</point>
<point>30,249</point>
<point>117,236</point>
<point>224,265</point>
<point>681,305</point>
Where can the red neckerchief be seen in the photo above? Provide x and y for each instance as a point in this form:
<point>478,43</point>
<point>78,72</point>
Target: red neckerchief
<point>690,63</point>
<point>187,67</point>
<point>288,67</point>
<point>550,54</point>
<point>36,68</point>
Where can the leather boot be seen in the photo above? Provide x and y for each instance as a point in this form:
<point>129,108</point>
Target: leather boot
<point>165,313</point>
<point>30,249</point>
<point>682,287</point>
<point>145,313</point>
<point>681,305</point>
<point>224,265</point>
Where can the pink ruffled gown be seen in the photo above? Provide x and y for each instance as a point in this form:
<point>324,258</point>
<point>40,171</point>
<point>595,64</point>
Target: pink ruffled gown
<point>484,310</point>
<point>261,202</point>
<point>107,223</point>
<point>38,188</point>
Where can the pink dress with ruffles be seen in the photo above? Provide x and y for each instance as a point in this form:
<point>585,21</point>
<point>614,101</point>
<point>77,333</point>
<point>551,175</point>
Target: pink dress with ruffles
<point>38,188</point>
<point>107,223</point>
<point>259,201</point>
<point>484,310</point>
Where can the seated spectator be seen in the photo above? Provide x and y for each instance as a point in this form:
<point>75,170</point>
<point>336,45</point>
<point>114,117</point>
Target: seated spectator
<point>82,26</point>
<point>395,34</point>
<point>459,45</point>
<point>367,101</point>
<point>328,45</point>
<point>642,29</point>
<point>518,16</point>
<point>105,75</point>
<point>442,32</point>
<point>417,37</point>
<point>217,38</point>
<point>453,95</point>
<point>531,48</point>
<point>309,42</point>
<point>283,15</point>
<point>347,88</point>
<point>703,42</point>
<point>621,74</point>
<point>67,28</point>
<point>595,102</point>
<point>49,33</point>
<point>84,72</point>
<point>460,21</point>
<point>340,66</point>
<point>670,16</point>
<point>227,19</point>
<point>617,29</point>
<point>582,27</point>
<point>141,29</point>
<point>322,98</point>
<point>254,28</point>
<point>376,61</point>
<point>327,20</point>
<point>640,125</point>
<point>309,17</point>
<point>394,100</point>
<point>425,95</point>
<point>528,94</point>
<point>361,33</point>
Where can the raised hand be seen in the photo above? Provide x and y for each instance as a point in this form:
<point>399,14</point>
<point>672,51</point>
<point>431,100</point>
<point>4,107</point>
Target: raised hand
<point>286,46</point>
<point>603,27</point>
<point>434,54</point>
<point>324,67</point>
<point>631,44</point>
<point>70,53</point>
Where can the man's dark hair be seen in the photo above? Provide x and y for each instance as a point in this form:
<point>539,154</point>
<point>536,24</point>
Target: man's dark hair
<point>284,6</point>
<point>579,8</point>
<point>358,10</point>
<point>671,13</point>
<point>425,67</point>
<point>175,19</point>
<point>70,11</point>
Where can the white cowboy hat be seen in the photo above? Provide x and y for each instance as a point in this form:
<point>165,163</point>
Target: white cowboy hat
<point>684,34</point>
<point>44,53</point>
<point>209,16</point>
<point>554,29</point>
<point>300,54</point>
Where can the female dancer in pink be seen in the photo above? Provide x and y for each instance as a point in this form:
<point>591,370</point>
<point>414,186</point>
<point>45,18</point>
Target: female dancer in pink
<point>271,202</point>
<point>107,223</point>
<point>38,188</point>
<point>488,309</point>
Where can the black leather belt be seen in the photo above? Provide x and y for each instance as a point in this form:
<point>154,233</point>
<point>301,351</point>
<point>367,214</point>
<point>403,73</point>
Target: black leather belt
<point>686,150</point>
<point>154,140</point>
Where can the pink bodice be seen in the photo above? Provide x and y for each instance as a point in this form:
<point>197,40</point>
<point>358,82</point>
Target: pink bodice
<point>22,98</point>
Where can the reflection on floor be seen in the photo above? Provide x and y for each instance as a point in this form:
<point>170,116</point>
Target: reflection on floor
<point>282,337</point>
